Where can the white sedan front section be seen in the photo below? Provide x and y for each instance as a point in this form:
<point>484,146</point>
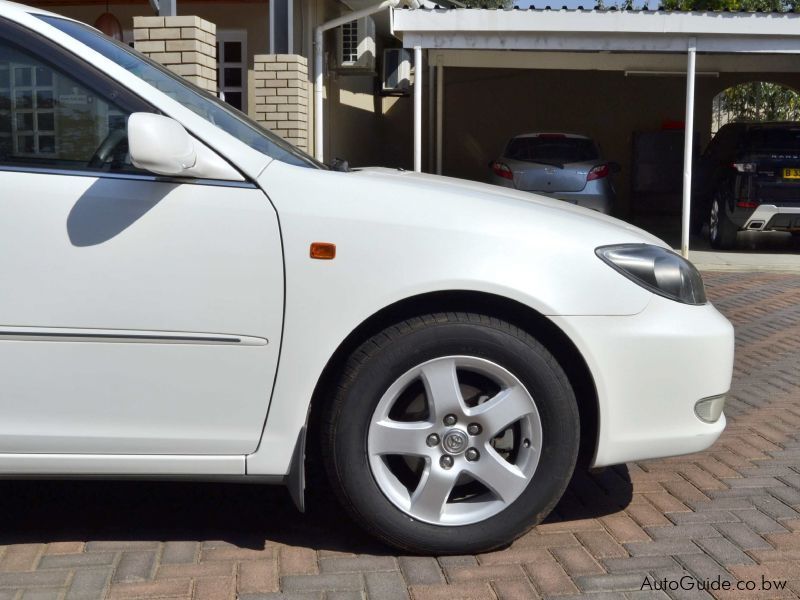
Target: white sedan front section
<point>651,358</point>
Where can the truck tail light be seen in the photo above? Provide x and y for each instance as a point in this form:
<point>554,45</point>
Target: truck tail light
<point>502,170</point>
<point>745,167</point>
<point>598,172</point>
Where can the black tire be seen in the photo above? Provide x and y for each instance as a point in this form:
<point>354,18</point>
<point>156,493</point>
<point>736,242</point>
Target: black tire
<point>698,218</point>
<point>380,361</point>
<point>723,236</point>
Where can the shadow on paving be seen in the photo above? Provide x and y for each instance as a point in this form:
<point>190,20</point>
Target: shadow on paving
<point>241,514</point>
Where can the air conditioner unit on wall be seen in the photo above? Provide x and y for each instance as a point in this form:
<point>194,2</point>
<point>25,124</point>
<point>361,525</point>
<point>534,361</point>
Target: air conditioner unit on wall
<point>356,46</point>
<point>396,79</point>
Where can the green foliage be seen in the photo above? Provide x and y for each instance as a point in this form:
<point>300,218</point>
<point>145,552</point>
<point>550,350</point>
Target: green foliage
<point>487,3</point>
<point>748,5</point>
<point>758,101</point>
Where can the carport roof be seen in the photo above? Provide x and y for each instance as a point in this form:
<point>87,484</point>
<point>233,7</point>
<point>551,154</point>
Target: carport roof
<point>598,30</point>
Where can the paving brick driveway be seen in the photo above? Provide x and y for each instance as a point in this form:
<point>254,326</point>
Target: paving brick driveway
<point>729,512</point>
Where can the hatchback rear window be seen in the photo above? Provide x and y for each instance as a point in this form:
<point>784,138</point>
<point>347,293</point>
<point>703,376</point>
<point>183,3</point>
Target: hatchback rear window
<point>774,139</point>
<point>552,149</point>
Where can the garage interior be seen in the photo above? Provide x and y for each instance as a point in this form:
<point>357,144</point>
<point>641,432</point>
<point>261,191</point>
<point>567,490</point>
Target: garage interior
<point>618,77</point>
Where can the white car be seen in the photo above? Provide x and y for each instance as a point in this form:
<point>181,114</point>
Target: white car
<point>185,295</point>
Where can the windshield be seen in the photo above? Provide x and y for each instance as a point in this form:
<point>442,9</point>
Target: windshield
<point>552,149</point>
<point>204,104</point>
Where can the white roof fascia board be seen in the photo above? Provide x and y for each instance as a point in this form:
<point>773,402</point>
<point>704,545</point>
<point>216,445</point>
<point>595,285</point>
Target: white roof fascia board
<point>612,31</point>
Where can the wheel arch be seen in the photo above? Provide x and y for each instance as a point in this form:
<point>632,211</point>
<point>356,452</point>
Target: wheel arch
<point>516,313</point>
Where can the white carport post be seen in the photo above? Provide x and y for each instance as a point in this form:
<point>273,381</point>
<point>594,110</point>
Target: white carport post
<point>439,110</point>
<point>688,146</point>
<point>418,77</point>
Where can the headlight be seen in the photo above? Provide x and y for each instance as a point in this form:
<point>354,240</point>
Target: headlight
<point>659,270</point>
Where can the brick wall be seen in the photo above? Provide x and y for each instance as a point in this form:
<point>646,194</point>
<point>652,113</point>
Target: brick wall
<point>185,44</point>
<point>281,96</point>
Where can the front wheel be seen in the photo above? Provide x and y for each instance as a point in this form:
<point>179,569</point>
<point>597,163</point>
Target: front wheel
<point>451,433</point>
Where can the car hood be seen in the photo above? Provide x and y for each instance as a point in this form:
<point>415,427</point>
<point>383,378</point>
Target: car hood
<point>484,192</point>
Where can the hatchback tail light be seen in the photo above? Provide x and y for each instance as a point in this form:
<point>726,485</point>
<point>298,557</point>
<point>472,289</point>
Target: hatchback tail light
<point>598,172</point>
<point>502,170</point>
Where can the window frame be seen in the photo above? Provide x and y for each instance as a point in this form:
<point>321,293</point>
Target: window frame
<point>236,36</point>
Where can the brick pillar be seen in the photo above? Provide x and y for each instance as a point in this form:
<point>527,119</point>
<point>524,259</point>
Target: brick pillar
<point>186,45</point>
<point>281,96</point>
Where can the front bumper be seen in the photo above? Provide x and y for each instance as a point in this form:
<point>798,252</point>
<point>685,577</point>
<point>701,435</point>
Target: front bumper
<point>650,370</point>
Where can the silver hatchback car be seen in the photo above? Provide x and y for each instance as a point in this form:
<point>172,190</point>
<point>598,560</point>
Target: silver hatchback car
<point>561,165</point>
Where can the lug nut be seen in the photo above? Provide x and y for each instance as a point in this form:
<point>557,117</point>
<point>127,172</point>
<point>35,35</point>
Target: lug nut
<point>472,454</point>
<point>450,420</point>
<point>474,429</point>
<point>446,462</point>
<point>433,440</point>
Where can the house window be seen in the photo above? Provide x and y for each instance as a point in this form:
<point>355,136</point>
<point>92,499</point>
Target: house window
<point>350,42</point>
<point>232,67</point>
<point>27,109</point>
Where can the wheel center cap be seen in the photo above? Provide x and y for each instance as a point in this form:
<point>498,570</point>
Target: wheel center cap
<point>454,441</point>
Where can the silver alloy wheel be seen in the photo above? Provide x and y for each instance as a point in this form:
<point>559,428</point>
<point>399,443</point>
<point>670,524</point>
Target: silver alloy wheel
<point>713,222</point>
<point>454,440</point>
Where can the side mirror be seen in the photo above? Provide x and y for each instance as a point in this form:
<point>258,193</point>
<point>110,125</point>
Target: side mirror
<point>614,167</point>
<point>162,146</point>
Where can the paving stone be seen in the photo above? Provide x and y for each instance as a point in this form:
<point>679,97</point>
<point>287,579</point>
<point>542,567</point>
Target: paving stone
<point>691,532</point>
<point>179,552</point>
<point>298,561</point>
<point>134,566</point>
<point>387,585</point>
<point>34,579</point>
<point>617,582</point>
<point>333,582</point>
<point>420,570</point>
<point>514,589</point>
<point>258,576</point>
<point>639,564</point>
<point>663,547</point>
<point>741,535</point>
<point>709,516</point>
<point>577,561</point>
<point>168,588</point>
<point>723,551</point>
<point>704,568</point>
<point>69,561</point>
<point>481,573</point>
<point>354,565</point>
<point>455,591</point>
<point>89,584</point>
<point>347,596</point>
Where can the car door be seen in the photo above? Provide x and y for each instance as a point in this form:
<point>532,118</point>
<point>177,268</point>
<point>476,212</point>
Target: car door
<point>138,314</point>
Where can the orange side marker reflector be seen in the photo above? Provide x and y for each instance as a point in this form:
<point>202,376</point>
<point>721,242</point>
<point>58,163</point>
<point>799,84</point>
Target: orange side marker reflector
<point>323,250</point>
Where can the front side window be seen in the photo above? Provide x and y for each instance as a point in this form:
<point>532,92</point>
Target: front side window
<point>48,119</point>
<point>204,104</point>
